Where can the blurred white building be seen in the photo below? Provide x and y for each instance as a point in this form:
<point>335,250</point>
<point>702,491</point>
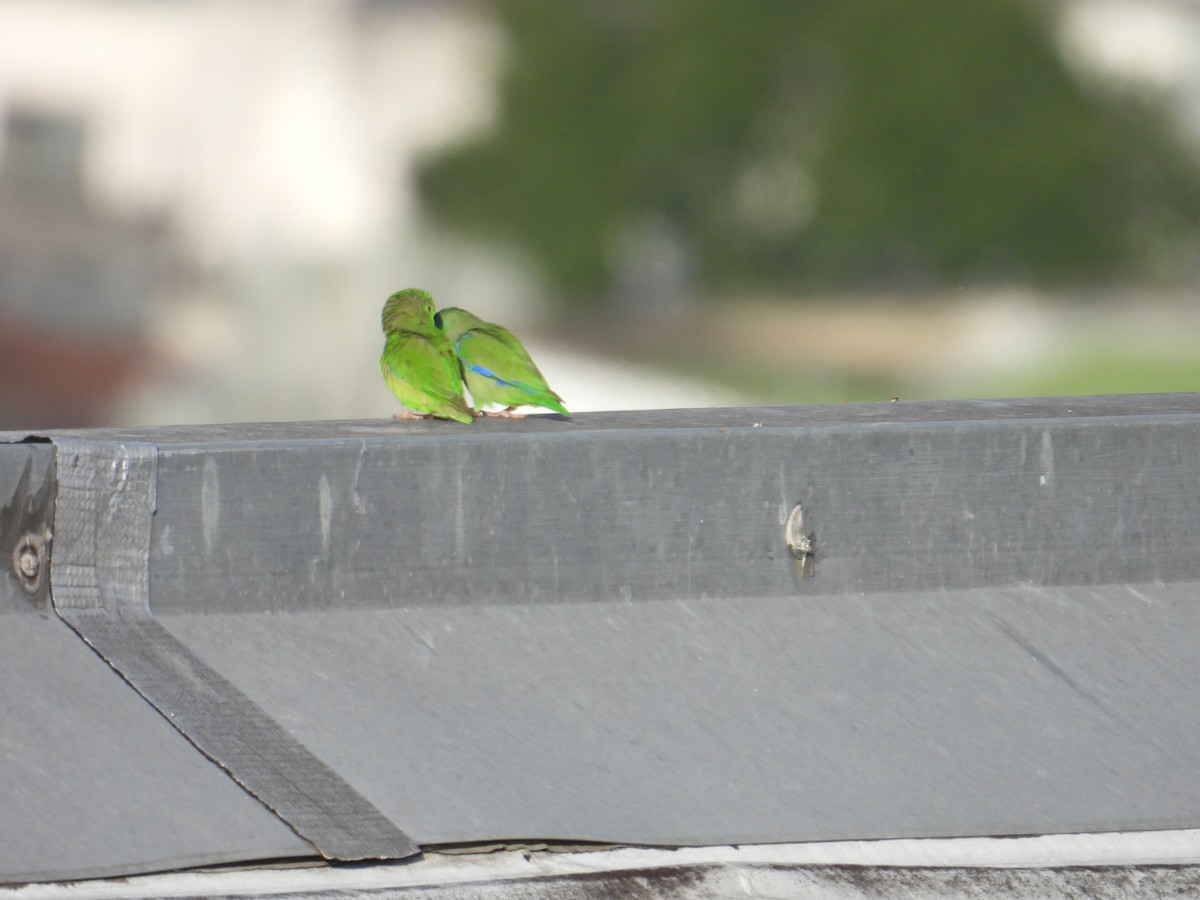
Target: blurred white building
<point>1145,46</point>
<point>284,128</point>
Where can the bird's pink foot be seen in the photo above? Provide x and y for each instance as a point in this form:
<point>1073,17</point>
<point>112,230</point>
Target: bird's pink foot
<point>505,414</point>
<point>408,414</point>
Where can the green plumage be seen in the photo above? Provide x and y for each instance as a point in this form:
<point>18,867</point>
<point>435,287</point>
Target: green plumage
<point>418,362</point>
<point>496,368</point>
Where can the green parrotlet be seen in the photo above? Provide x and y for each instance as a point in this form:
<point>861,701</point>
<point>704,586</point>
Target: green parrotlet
<point>418,362</point>
<point>496,368</point>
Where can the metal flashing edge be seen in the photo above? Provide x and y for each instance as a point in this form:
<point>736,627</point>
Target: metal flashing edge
<point>99,586</point>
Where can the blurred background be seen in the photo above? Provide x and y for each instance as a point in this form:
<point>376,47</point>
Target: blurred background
<point>204,203</point>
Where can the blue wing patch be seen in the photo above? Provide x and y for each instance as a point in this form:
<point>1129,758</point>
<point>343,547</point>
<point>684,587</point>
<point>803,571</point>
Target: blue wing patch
<point>488,373</point>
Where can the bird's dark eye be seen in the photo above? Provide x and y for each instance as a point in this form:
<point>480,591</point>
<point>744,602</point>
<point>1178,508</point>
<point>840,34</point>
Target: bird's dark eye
<point>437,319</point>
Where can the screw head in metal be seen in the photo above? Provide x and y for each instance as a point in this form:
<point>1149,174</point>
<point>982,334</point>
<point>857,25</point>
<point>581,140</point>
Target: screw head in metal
<point>28,562</point>
<point>29,558</point>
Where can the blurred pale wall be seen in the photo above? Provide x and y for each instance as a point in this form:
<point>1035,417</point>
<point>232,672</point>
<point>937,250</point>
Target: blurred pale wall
<point>1141,46</point>
<point>264,127</point>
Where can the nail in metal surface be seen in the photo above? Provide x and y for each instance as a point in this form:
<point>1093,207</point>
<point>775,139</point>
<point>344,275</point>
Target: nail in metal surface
<point>799,541</point>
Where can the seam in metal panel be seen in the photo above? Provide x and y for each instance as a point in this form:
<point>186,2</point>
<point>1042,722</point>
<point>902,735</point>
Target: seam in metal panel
<point>100,587</point>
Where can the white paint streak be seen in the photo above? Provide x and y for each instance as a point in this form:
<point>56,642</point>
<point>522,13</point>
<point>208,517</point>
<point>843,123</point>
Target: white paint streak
<point>1136,593</point>
<point>355,498</point>
<point>1047,458</point>
<point>325,507</point>
<point>460,526</point>
<point>210,503</point>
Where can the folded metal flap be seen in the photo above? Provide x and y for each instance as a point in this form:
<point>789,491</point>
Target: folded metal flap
<point>100,587</point>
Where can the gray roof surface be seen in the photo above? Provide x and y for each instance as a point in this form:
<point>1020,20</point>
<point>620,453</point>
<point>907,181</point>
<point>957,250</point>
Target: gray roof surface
<point>707,722</point>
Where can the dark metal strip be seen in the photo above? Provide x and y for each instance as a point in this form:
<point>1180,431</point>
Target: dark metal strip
<point>100,587</point>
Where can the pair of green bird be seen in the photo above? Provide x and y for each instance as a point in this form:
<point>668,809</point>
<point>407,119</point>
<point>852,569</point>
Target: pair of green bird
<point>427,357</point>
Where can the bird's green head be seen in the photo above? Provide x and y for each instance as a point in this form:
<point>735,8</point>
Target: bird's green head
<point>454,321</point>
<point>406,307</point>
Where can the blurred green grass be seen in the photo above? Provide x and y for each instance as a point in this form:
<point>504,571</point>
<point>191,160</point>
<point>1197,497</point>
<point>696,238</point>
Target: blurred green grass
<point>1100,370</point>
<point>1089,367</point>
<point>959,346</point>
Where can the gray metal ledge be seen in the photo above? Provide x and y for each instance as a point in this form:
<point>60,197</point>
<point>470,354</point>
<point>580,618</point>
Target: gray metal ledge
<point>594,631</point>
<point>95,782</point>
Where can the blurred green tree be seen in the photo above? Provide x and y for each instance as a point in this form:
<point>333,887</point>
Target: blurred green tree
<point>790,145</point>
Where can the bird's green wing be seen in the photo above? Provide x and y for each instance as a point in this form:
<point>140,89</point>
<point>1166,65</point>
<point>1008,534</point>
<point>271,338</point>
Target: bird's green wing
<point>501,363</point>
<point>422,373</point>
